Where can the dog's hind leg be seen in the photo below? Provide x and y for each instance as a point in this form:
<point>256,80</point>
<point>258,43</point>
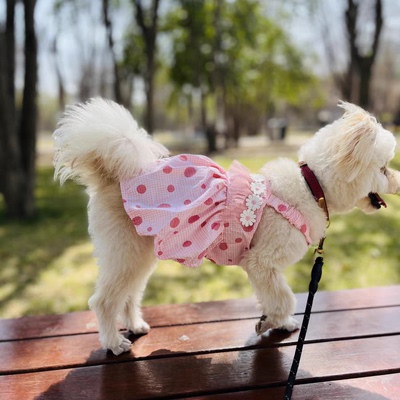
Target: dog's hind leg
<point>131,315</point>
<point>124,259</point>
<point>118,292</point>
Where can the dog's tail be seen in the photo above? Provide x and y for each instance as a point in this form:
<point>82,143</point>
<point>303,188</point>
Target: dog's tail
<point>99,141</point>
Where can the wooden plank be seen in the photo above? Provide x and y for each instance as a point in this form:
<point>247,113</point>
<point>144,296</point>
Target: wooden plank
<point>208,373</point>
<point>77,350</point>
<point>48,325</point>
<point>382,387</point>
<point>181,314</point>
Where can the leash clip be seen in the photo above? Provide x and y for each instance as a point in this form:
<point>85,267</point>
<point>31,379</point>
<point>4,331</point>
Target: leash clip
<point>322,204</point>
<point>320,248</point>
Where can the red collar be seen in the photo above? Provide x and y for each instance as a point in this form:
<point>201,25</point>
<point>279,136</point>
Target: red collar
<point>315,187</point>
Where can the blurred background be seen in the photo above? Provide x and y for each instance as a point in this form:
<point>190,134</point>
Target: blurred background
<point>234,79</point>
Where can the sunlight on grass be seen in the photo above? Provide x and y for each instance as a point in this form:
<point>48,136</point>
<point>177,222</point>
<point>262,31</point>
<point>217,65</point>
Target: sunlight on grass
<point>65,285</point>
<point>48,267</point>
<point>173,283</point>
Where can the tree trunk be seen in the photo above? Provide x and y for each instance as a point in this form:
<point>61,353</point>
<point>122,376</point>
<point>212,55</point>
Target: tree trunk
<point>356,86</point>
<point>28,124</point>
<point>365,80</point>
<point>349,89</point>
<point>109,29</point>
<point>10,157</point>
<point>149,30</point>
<point>60,80</point>
<point>209,130</point>
<point>203,109</point>
<point>18,142</point>
<point>366,64</point>
<point>149,117</point>
<point>11,170</point>
<point>211,135</point>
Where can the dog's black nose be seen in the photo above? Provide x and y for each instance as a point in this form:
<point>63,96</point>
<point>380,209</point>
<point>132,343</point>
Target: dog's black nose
<point>374,200</point>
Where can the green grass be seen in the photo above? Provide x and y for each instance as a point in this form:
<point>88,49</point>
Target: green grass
<point>47,264</point>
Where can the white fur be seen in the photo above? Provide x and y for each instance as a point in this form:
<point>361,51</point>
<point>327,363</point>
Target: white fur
<point>101,134</point>
<point>98,144</point>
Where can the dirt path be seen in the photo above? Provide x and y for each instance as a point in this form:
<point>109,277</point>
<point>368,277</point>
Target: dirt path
<point>257,146</point>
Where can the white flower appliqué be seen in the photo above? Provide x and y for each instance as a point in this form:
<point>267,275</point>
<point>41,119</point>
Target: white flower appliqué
<point>253,200</point>
<point>247,218</point>
<point>257,187</point>
<point>257,178</point>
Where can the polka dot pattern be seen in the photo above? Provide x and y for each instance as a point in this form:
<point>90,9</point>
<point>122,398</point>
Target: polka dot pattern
<point>223,246</point>
<point>282,207</point>
<point>137,220</point>
<point>193,219</point>
<point>183,203</point>
<point>174,222</point>
<point>141,189</point>
<point>215,226</point>
<point>189,172</point>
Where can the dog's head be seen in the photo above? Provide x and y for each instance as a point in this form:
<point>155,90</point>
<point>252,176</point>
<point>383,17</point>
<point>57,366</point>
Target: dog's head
<point>350,158</point>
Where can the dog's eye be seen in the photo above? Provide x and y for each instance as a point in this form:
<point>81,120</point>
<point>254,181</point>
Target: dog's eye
<point>383,170</point>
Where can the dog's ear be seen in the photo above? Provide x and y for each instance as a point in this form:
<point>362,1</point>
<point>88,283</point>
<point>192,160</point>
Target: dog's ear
<point>355,138</point>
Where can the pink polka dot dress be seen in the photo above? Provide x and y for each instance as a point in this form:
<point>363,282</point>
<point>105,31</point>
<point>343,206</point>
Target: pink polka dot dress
<point>195,209</point>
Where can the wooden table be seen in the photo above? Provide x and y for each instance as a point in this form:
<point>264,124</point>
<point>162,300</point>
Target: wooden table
<point>210,351</point>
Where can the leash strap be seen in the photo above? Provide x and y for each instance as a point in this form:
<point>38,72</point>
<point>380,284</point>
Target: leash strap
<point>316,274</point>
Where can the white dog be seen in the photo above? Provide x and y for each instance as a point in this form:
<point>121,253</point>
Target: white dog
<point>187,207</point>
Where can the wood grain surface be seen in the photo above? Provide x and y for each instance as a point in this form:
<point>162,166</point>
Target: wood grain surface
<point>210,351</point>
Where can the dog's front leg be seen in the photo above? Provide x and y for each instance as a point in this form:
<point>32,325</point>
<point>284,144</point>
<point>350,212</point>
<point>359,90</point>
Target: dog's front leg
<point>275,297</point>
<point>276,244</point>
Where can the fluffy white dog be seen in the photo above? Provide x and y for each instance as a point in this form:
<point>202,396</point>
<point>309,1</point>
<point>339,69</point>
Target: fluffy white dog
<point>274,216</point>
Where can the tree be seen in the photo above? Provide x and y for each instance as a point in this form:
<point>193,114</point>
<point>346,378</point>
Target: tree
<point>353,76</point>
<point>359,72</point>
<point>60,79</point>
<point>192,70</point>
<point>265,72</point>
<point>110,38</point>
<point>233,52</point>
<point>130,64</point>
<point>147,20</point>
<point>18,124</point>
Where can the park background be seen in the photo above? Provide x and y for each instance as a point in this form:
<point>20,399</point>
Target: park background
<point>234,79</point>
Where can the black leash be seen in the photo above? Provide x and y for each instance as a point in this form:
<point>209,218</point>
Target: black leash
<point>316,274</point>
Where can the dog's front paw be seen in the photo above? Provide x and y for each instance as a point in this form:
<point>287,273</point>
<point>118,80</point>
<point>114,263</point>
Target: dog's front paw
<point>124,345</point>
<point>290,324</point>
<point>263,325</point>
